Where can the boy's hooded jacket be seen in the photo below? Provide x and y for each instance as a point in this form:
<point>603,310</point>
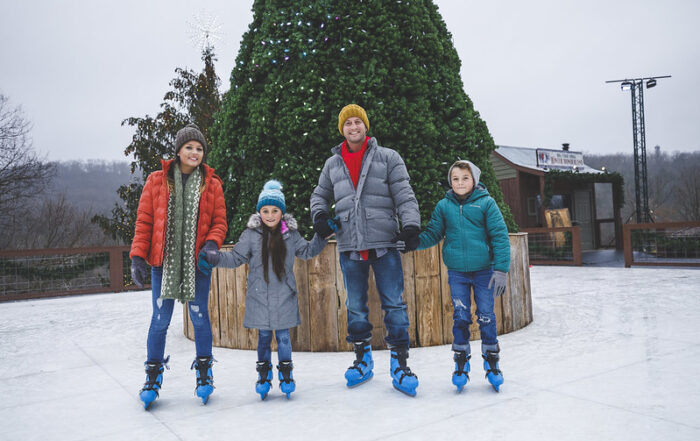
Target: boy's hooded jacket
<point>151,217</point>
<point>476,237</point>
<point>274,305</point>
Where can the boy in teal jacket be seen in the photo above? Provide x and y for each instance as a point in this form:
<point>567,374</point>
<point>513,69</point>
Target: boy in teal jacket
<point>477,254</point>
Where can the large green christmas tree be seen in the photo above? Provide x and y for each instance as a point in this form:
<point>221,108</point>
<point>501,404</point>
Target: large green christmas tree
<point>301,61</point>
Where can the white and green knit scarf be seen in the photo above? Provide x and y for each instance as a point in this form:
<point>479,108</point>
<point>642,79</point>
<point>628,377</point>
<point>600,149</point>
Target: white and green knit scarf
<point>181,234</point>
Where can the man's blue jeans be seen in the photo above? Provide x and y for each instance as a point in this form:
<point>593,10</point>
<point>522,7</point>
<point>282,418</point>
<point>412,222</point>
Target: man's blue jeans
<point>284,345</point>
<point>460,284</point>
<point>388,274</point>
<point>163,312</point>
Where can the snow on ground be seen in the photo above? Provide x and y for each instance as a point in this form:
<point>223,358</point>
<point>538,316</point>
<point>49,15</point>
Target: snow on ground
<point>612,353</point>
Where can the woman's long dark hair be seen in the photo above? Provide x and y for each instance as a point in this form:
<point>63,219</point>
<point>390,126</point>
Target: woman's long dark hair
<point>273,245</point>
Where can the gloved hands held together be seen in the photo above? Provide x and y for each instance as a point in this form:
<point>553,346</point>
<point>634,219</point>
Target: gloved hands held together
<point>209,257</point>
<point>409,237</point>
<point>324,226</point>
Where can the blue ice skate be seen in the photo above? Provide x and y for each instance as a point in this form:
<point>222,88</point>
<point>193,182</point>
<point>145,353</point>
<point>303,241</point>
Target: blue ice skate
<point>287,383</point>
<point>361,369</point>
<point>402,378</point>
<point>460,377</point>
<point>264,383</point>
<point>205,379</point>
<point>493,373</point>
<point>154,381</point>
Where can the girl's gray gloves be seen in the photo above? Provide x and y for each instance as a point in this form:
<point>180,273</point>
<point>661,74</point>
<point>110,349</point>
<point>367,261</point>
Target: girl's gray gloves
<point>139,270</point>
<point>498,282</point>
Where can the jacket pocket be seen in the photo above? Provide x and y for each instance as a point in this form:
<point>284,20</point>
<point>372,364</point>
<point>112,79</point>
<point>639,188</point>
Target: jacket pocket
<point>381,225</point>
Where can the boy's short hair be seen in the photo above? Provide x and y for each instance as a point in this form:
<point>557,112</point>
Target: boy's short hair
<point>460,164</point>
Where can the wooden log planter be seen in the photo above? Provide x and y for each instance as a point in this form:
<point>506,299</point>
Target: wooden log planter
<point>322,302</point>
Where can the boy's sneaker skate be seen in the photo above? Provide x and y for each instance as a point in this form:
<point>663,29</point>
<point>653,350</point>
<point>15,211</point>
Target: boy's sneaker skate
<point>287,383</point>
<point>493,373</point>
<point>361,369</point>
<point>205,379</point>
<point>402,378</point>
<point>460,377</point>
<point>154,380</point>
<point>264,383</point>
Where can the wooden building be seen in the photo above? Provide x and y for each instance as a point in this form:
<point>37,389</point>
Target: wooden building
<point>535,180</point>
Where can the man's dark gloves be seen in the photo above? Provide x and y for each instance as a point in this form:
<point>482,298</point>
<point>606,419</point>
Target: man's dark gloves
<point>324,226</point>
<point>409,237</point>
<point>139,270</point>
<point>208,257</point>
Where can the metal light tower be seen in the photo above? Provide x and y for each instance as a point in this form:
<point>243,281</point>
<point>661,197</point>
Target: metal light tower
<point>636,86</point>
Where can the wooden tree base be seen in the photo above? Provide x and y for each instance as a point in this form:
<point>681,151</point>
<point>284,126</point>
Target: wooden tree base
<point>322,302</point>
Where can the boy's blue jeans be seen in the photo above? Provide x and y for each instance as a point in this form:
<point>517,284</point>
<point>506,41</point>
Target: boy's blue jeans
<point>460,284</point>
<point>163,312</point>
<point>284,345</point>
<point>388,274</point>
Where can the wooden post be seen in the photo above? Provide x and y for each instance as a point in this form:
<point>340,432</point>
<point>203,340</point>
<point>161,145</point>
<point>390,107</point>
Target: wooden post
<point>323,302</point>
<point>576,245</point>
<point>428,297</point>
<point>116,270</point>
<point>627,243</point>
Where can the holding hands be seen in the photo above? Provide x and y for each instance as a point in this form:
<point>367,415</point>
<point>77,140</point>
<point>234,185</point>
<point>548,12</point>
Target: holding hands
<point>324,226</point>
<point>409,237</point>
<point>209,257</point>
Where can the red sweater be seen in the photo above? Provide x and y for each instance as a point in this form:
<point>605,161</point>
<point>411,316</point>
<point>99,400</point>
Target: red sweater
<point>353,161</point>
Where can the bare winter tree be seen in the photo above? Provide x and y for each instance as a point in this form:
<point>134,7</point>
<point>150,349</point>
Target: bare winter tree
<point>688,193</point>
<point>22,174</point>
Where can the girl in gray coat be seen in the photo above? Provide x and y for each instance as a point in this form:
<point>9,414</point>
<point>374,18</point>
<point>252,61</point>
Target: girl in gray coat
<point>269,245</point>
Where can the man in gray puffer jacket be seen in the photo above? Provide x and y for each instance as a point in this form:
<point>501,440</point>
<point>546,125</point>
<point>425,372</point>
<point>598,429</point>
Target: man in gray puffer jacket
<point>369,185</point>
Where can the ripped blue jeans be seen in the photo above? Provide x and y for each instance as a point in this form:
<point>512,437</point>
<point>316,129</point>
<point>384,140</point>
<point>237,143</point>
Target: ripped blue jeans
<point>460,284</point>
<point>163,312</point>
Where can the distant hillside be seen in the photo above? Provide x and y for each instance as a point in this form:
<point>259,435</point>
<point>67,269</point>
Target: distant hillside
<point>673,183</point>
<point>90,185</point>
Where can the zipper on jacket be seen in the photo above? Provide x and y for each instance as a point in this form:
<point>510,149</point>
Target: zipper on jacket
<point>461,235</point>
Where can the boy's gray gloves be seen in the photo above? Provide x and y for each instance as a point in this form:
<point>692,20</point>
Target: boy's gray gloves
<point>139,270</point>
<point>498,282</point>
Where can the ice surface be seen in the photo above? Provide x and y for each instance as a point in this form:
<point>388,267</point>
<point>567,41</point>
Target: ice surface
<point>612,353</point>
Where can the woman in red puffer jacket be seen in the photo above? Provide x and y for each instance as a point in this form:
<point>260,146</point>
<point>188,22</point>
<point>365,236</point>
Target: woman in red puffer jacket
<point>181,214</point>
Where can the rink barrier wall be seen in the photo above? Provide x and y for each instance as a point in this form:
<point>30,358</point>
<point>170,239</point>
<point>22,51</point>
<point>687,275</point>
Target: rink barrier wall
<point>322,295</point>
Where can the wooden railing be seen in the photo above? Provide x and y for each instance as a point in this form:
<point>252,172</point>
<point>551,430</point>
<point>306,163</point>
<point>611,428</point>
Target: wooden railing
<point>322,295</point>
<point>27,274</point>
<point>662,244</point>
<point>554,246</point>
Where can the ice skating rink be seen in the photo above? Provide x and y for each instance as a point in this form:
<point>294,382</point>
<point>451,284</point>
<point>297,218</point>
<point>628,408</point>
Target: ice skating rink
<point>612,354</point>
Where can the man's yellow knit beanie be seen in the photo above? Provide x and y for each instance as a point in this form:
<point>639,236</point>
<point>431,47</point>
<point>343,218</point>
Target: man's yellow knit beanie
<point>348,112</point>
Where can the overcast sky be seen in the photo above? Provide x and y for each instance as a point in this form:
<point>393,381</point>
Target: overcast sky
<point>535,70</point>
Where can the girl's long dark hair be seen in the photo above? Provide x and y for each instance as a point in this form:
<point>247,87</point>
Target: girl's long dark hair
<point>273,245</point>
